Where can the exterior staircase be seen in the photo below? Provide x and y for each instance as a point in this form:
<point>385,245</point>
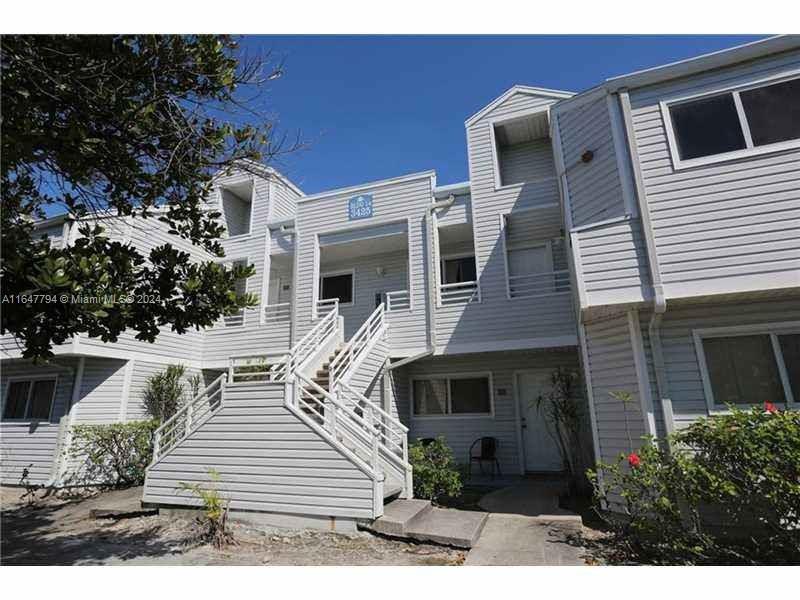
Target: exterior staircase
<point>321,380</point>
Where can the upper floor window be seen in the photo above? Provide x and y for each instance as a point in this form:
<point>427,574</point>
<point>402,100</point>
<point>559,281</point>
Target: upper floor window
<point>735,123</point>
<point>336,285</point>
<point>458,269</point>
<point>29,399</point>
<point>751,368</point>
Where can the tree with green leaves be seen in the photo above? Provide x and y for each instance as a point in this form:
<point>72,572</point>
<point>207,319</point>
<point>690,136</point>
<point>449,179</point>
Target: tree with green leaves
<point>136,127</point>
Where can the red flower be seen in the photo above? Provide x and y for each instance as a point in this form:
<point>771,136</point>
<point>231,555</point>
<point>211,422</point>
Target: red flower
<point>634,460</point>
<point>770,407</point>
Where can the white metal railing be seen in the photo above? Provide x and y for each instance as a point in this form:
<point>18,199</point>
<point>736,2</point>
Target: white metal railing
<point>392,434</point>
<point>235,320</point>
<point>538,284</point>
<point>357,345</point>
<point>188,417</point>
<point>250,368</point>
<point>278,313</point>
<point>288,363</point>
<point>340,422</point>
<point>398,300</point>
<point>459,293</point>
<point>323,307</point>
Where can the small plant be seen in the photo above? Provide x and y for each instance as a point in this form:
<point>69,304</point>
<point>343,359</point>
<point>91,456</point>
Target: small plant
<point>214,522</point>
<point>728,491</point>
<point>563,414</point>
<point>257,371</point>
<point>114,455</point>
<point>163,393</point>
<point>29,495</point>
<point>435,473</point>
<point>195,384</point>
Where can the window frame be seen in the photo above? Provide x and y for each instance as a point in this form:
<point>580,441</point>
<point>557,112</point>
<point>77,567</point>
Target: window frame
<point>448,377</point>
<point>31,379</point>
<point>351,272</point>
<point>457,256</point>
<point>735,91</point>
<point>773,330</point>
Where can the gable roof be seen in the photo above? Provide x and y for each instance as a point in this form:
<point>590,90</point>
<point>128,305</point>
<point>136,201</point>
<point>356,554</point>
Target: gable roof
<point>517,89</point>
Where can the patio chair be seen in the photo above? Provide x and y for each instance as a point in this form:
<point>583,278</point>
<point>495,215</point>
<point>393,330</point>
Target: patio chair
<point>487,452</point>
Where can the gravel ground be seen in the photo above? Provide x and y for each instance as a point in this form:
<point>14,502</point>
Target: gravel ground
<point>59,531</point>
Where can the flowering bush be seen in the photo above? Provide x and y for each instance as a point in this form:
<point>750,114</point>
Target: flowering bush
<point>729,491</point>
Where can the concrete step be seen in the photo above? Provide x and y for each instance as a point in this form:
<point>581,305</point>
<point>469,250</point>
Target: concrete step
<point>418,520</point>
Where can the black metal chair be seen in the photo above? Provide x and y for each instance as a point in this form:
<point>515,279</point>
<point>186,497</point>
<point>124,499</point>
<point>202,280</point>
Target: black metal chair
<point>487,453</point>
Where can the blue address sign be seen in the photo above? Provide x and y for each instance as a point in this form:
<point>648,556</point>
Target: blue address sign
<point>359,207</point>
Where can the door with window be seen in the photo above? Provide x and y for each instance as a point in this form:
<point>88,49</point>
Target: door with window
<point>539,445</point>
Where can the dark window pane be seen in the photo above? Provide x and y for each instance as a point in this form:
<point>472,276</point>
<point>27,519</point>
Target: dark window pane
<point>742,370</point>
<point>790,349</point>
<point>706,127</point>
<point>773,112</point>
<point>337,286</point>
<point>459,270</point>
<point>470,395</point>
<point>16,398</point>
<point>430,397</point>
<point>41,397</point>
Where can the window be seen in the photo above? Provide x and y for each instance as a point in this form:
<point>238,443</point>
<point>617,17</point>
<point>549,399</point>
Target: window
<point>467,395</point>
<point>336,285</point>
<point>29,399</point>
<point>750,120</point>
<point>751,368</point>
<point>459,269</point>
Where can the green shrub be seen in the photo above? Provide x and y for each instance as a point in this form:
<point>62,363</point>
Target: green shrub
<point>435,473</point>
<point>728,492</point>
<point>163,392</point>
<point>115,455</point>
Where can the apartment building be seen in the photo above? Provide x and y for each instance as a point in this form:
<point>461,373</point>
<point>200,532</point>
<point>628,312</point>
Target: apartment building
<point>643,233</point>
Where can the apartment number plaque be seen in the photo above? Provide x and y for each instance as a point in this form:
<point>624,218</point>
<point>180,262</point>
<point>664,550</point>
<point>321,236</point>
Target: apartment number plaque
<point>360,207</point>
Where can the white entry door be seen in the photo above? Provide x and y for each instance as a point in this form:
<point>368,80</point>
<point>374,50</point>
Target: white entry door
<point>541,450</point>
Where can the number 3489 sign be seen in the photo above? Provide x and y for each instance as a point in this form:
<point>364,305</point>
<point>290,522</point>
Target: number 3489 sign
<point>359,207</point>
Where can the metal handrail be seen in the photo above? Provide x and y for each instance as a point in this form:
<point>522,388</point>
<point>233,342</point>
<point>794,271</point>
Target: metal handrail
<point>398,300</point>
<point>538,284</point>
<point>186,416</point>
<point>287,364</point>
<point>356,346</point>
<point>462,291</point>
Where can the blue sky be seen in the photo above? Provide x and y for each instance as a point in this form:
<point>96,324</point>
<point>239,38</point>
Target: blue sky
<point>373,107</point>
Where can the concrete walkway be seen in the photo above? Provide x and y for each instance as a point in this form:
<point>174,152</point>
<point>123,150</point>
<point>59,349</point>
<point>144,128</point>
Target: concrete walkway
<point>527,527</point>
<point>519,540</point>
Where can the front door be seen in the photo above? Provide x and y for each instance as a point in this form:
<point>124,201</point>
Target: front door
<point>541,450</point>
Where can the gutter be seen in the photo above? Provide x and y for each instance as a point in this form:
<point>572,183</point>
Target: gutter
<point>659,300</point>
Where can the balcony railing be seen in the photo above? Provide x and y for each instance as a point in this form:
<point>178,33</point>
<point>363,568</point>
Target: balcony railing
<point>398,300</point>
<point>323,307</point>
<point>538,284</point>
<point>459,293</point>
<point>278,313</point>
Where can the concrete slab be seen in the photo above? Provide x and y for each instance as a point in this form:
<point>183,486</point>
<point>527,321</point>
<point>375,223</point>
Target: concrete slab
<point>459,528</point>
<point>528,497</point>
<point>397,515</point>
<point>521,540</point>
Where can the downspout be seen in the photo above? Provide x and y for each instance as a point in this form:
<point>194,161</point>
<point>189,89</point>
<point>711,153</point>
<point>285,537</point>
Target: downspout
<point>659,301</point>
<point>433,281</point>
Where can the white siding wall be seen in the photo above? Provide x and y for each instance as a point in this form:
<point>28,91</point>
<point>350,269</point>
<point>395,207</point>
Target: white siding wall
<point>461,432</point>
<point>268,460</point>
<point>612,368</point>
<point>725,227</point>
<point>497,318</point>
<point>34,444</point>
<point>392,202</point>
<point>528,161</point>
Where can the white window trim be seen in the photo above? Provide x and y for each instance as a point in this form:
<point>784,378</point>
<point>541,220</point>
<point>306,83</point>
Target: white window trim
<point>440,274</point>
<point>771,329</point>
<point>221,209</point>
<point>493,123</point>
<point>450,415</point>
<point>351,272</point>
<point>31,379</point>
<point>751,150</point>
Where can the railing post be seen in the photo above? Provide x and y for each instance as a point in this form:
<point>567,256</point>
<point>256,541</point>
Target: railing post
<point>230,370</point>
<point>374,435</point>
<point>156,446</point>
<point>188,417</point>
